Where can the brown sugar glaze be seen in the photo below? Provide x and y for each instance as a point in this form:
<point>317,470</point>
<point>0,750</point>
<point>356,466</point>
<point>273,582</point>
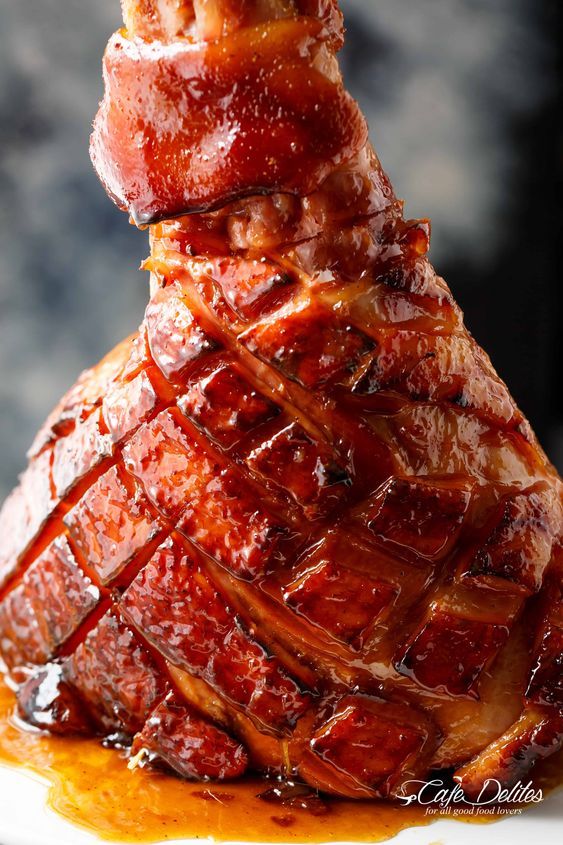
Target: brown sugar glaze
<point>92,787</point>
<point>302,385</point>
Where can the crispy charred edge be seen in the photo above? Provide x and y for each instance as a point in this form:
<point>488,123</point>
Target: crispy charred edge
<point>47,702</point>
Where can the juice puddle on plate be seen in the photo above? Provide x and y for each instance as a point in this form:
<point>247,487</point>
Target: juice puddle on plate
<point>92,788</point>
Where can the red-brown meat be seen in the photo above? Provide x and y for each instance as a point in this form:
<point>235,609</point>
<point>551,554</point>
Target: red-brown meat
<point>297,522</point>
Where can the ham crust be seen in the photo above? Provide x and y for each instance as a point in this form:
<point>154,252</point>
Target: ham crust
<point>297,523</point>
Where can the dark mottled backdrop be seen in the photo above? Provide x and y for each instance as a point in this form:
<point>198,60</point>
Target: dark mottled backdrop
<point>461,99</point>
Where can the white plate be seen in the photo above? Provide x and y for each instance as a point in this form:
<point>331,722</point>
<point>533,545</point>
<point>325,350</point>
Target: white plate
<point>24,820</point>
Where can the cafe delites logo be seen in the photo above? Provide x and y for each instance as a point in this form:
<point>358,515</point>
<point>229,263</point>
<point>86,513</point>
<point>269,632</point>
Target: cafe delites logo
<point>444,798</point>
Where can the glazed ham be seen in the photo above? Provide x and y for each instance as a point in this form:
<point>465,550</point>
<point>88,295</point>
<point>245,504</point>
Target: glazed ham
<point>296,524</point>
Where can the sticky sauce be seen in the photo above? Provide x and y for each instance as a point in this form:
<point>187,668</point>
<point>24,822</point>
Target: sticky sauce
<point>91,787</point>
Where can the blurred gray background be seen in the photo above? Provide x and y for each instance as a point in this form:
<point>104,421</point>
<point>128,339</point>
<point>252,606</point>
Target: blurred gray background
<point>461,97</point>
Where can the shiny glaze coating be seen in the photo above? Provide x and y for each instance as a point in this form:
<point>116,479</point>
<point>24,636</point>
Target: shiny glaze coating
<point>185,125</point>
<point>305,527</point>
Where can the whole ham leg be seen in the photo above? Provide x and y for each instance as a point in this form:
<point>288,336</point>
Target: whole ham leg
<point>296,524</point>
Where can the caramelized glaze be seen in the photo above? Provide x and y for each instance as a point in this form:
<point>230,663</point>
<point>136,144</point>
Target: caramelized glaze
<point>92,787</point>
<point>298,526</point>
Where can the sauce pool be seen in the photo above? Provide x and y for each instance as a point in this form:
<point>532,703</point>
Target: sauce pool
<point>92,787</point>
